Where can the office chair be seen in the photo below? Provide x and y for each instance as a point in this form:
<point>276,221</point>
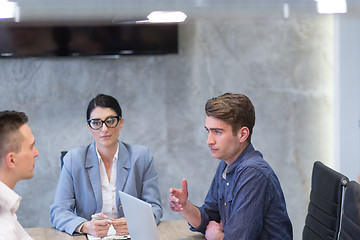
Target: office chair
<point>62,154</point>
<point>350,225</point>
<point>325,206</point>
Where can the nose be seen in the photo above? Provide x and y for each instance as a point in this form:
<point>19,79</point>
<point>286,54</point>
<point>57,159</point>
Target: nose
<point>104,127</point>
<point>210,139</point>
<point>36,152</point>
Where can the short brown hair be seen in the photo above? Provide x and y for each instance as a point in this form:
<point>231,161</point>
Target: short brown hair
<point>234,109</point>
<point>10,137</point>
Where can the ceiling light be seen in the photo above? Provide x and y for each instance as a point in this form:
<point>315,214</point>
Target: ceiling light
<point>8,9</point>
<point>331,6</point>
<point>286,10</point>
<point>166,17</point>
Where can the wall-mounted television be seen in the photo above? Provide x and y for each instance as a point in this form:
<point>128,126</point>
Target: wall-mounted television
<point>96,40</point>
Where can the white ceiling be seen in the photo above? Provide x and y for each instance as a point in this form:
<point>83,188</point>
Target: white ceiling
<point>129,10</point>
<point>123,10</point>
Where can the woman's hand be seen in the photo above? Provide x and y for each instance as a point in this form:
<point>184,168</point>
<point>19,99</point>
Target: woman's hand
<point>98,228</point>
<point>120,226</point>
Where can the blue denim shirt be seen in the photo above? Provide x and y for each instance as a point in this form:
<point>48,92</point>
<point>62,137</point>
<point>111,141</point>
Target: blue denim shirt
<point>249,202</point>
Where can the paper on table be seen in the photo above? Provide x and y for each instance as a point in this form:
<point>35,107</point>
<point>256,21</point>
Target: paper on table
<point>111,235</point>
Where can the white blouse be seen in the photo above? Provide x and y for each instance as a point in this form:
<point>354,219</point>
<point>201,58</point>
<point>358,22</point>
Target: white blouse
<point>108,188</point>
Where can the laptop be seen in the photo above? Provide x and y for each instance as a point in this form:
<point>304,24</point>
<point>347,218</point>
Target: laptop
<point>139,218</point>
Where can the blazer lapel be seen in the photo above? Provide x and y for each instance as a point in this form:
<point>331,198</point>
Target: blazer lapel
<point>123,166</point>
<point>92,166</point>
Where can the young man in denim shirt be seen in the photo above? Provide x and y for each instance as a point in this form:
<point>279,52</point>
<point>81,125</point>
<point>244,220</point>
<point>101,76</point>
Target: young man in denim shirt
<point>245,200</point>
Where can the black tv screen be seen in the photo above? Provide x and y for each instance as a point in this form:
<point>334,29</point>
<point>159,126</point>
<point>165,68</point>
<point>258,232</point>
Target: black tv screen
<point>50,41</point>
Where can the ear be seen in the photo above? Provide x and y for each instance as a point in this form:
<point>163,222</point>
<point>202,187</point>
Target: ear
<point>243,134</point>
<point>121,123</point>
<point>87,125</point>
<point>10,160</point>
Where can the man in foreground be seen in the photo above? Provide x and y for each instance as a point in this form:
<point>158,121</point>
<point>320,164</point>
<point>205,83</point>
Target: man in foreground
<point>17,161</point>
<point>245,200</point>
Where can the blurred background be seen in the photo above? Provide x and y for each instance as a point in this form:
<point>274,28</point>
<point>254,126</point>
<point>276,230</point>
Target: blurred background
<point>298,66</point>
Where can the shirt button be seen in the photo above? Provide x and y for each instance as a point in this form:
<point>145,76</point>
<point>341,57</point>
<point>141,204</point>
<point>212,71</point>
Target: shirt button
<point>225,204</point>
<point>227,184</point>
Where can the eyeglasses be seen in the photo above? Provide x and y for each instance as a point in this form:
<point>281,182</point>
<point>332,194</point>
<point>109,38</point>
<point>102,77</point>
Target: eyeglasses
<point>110,122</point>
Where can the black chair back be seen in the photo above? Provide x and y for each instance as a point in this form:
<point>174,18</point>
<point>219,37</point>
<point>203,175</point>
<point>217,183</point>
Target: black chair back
<point>350,224</point>
<point>324,211</point>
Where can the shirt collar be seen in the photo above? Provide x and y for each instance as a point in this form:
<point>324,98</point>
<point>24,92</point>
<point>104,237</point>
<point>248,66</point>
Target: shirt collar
<point>239,159</point>
<point>10,199</point>
<point>115,158</point>
<point>226,170</point>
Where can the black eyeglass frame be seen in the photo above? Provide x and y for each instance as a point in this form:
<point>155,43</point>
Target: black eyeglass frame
<point>104,121</point>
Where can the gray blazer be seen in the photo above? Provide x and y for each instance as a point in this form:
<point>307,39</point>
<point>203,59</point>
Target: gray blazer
<point>78,194</point>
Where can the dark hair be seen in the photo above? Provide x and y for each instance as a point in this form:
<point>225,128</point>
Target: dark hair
<point>10,138</point>
<point>104,101</point>
<point>234,109</point>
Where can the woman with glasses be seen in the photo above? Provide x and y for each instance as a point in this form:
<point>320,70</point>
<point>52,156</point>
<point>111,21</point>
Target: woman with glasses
<point>87,196</point>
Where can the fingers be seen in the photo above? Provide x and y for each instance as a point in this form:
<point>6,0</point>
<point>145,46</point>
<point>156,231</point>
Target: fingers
<point>97,228</point>
<point>213,231</point>
<point>178,197</point>
<point>184,185</point>
<point>174,204</point>
<point>120,226</point>
<point>101,232</point>
<point>101,215</point>
<point>119,221</point>
<point>176,208</point>
<point>175,192</point>
<point>101,227</point>
<point>102,223</point>
<point>184,188</point>
<point>211,224</point>
<point>173,200</point>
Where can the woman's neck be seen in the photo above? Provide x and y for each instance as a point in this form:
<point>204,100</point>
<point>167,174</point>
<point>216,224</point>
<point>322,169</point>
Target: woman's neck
<point>107,153</point>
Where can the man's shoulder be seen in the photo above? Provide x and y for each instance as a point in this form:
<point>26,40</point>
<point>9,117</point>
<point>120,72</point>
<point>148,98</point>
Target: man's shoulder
<point>7,228</point>
<point>10,228</point>
<point>254,160</point>
<point>8,198</point>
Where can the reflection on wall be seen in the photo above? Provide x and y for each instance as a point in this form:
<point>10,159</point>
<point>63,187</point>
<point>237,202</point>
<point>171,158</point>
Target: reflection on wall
<point>284,66</point>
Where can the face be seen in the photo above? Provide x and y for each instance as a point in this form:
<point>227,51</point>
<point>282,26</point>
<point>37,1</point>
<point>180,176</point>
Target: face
<point>105,137</point>
<point>25,158</point>
<point>221,141</point>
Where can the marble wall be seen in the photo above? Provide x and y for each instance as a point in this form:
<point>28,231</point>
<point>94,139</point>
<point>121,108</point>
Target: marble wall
<point>284,66</point>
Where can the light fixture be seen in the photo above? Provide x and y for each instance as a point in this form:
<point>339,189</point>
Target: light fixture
<point>331,6</point>
<point>8,9</point>
<point>286,10</point>
<point>166,17</point>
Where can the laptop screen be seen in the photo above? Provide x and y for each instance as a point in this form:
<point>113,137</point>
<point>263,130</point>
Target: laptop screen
<point>139,218</point>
